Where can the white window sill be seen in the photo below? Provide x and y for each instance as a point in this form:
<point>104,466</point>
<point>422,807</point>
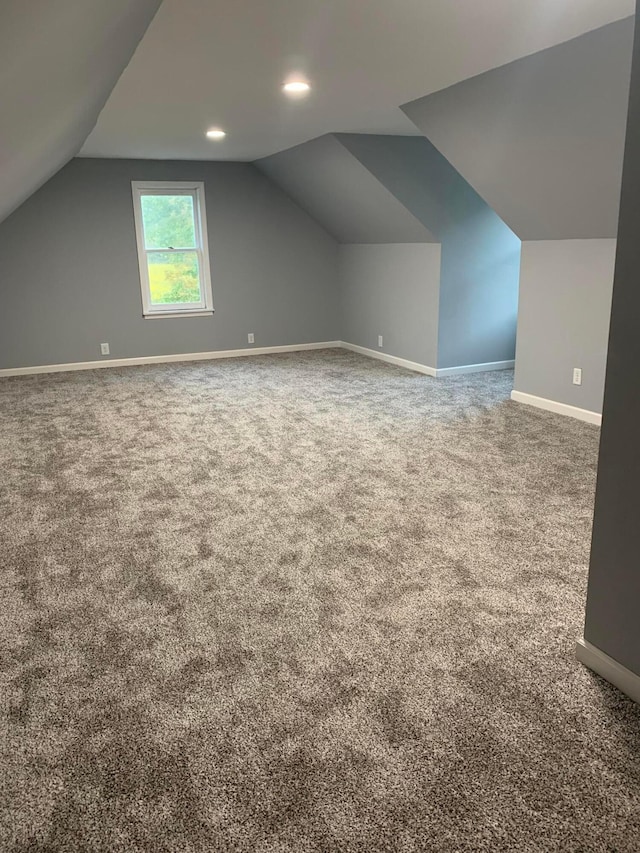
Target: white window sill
<point>162,315</point>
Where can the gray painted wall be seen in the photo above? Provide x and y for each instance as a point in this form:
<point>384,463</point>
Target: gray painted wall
<point>613,600</point>
<point>541,139</point>
<point>392,291</point>
<point>345,198</point>
<point>563,319</point>
<point>69,270</point>
<point>480,254</point>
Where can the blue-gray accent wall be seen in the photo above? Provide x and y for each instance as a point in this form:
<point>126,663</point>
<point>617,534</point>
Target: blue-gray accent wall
<point>480,262</point>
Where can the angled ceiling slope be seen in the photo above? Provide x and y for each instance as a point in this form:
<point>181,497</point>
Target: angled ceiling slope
<point>542,139</point>
<point>222,62</point>
<point>325,179</point>
<point>59,61</point>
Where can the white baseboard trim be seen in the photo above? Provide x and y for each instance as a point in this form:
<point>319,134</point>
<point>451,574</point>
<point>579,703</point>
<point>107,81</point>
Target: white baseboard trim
<point>475,368</point>
<point>558,408</point>
<point>624,679</point>
<point>439,372</point>
<point>550,405</point>
<point>163,359</point>
<point>390,359</point>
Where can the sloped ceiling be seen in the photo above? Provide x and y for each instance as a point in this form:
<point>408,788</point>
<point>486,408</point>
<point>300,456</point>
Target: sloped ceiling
<point>59,61</point>
<point>542,139</point>
<point>325,179</point>
<point>222,62</point>
<point>205,62</point>
<point>422,180</point>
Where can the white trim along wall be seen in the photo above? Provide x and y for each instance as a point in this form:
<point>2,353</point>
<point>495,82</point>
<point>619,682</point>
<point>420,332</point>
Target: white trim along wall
<point>162,359</point>
<point>236,353</point>
<point>599,662</point>
<point>559,408</point>
<point>517,396</point>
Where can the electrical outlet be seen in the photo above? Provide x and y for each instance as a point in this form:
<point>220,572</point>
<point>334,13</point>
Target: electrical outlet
<point>251,338</point>
<point>577,376</point>
<point>104,349</point>
<point>379,340</point>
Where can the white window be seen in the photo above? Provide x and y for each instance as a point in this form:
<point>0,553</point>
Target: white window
<point>171,229</point>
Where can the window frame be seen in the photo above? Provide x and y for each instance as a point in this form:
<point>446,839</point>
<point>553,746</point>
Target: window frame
<point>195,189</point>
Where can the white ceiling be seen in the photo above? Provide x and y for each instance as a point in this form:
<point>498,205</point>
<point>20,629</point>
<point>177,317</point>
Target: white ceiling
<point>222,62</point>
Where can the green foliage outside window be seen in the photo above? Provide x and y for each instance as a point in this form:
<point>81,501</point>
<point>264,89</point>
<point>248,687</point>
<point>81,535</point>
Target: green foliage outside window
<point>174,277</point>
<point>169,223</point>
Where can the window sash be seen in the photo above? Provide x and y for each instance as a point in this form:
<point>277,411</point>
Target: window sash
<point>196,191</point>
<point>177,306</point>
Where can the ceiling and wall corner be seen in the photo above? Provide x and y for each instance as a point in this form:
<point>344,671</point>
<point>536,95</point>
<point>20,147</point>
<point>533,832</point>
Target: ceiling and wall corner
<point>480,259</point>
<point>325,179</point>
<point>222,63</point>
<point>203,63</point>
<point>542,139</point>
<point>59,61</point>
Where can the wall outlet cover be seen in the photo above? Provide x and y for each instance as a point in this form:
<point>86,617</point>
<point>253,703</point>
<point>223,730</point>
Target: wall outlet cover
<point>251,338</point>
<point>104,349</point>
<point>379,340</point>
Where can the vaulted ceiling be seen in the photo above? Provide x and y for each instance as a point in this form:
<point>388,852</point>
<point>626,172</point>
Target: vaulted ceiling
<point>348,200</point>
<point>155,84</point>
<point>222,62</point>
<point>542,139</point>
<point>59,61</point>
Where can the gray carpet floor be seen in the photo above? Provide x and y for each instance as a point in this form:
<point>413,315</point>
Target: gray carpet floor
<point>307,602</point>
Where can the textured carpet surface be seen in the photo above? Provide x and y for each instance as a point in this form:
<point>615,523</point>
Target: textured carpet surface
<point>298,603</point>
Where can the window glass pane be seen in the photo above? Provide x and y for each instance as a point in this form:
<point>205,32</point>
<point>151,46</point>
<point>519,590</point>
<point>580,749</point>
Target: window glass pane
<point>169,222</point>
<point>174,278</point>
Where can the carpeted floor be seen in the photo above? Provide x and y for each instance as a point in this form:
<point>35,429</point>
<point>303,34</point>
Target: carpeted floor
<point>296,603</point>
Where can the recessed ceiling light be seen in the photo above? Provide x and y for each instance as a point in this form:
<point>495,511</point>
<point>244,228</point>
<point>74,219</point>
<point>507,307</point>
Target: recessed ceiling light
<point>216,133</point>
<point>296,87</point>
